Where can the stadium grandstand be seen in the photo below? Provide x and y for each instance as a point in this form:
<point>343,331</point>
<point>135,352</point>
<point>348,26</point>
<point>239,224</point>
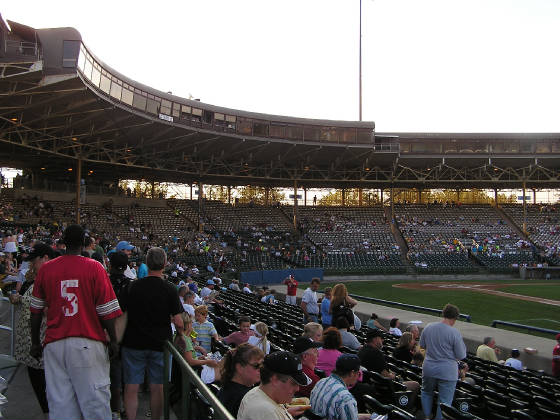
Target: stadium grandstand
<point>77,127</point>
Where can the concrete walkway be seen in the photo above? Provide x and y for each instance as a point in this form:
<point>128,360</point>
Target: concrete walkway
<point>22,403</point>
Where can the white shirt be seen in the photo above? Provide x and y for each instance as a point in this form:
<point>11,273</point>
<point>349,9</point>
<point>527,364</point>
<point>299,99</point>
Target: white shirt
<point>188,309</point>
<point>310,298</point>
<point>247,290</point>
<point>254,341</point>
<point>395,331</point>
<point>129,273</point>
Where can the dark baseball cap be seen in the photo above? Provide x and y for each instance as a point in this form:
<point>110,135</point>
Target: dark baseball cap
<point>40,250</point>
<point>304,343</point>
<point>347,362</point>
<point>287,363</point>
<point>118,260</point>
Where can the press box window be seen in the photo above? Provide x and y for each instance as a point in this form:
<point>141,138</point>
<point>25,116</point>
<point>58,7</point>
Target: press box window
<point>70,53</point>
<point>165,107</point>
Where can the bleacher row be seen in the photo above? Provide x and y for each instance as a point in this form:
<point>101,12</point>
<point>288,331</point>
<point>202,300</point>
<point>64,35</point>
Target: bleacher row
<point>499,392</point>
<point>437,237</point>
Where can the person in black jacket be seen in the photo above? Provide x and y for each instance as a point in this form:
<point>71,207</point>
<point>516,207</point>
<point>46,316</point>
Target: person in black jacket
<point>405,348</point>
<point>118,262</point>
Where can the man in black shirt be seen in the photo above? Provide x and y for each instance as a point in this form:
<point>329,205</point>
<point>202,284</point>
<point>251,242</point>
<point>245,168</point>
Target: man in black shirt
<point>372,357</point>
<point>149,302</point>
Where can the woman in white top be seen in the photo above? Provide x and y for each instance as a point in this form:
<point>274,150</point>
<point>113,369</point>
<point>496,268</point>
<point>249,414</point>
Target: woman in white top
<point>259,339</point>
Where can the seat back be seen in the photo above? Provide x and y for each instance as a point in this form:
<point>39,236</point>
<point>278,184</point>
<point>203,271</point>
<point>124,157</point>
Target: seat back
<point>374,406</point>
<point>451,413</point>
<point>521,415</point>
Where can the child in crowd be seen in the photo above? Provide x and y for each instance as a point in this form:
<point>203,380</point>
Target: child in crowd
<point>514,361</point>
<point>326,316</point>
<point>204,329</point>
<point>184,344</point>
<point>259,339</point>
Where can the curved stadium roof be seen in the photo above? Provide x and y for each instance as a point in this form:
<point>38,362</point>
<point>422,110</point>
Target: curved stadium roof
<point>60,103</point>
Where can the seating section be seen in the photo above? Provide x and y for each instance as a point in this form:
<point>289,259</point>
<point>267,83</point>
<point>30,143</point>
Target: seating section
<point>460,236</point>
<point>350,238</point>
<point>498,392</point>
<point>543,227</point>
<point>440,238</point>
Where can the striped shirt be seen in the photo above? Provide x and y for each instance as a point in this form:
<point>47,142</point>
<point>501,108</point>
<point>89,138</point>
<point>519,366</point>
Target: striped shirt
<point>330,399</point>
<point>205,332</point>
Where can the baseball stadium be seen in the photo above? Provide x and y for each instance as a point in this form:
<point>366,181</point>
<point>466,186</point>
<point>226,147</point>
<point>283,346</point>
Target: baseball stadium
<point>407,222</point>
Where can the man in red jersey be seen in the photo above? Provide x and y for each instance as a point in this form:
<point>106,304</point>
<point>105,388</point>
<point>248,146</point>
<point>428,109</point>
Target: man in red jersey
<point>291,293</point>
<point>81,306</point>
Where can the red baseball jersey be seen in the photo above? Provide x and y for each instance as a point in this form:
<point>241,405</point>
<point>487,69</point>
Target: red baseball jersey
<point>76,292</point>
<point>292,286</point>
<point>556,361</point>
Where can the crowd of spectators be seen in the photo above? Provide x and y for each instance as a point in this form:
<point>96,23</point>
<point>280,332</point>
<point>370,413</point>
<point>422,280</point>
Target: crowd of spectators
<point>173,301</point>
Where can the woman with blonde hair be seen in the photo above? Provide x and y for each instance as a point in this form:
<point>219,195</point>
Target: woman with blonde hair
<point>259,339</point>
<point>313,330</point>
<point>342,304</point>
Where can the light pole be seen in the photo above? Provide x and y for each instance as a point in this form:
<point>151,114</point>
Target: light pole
<point>360,77</point>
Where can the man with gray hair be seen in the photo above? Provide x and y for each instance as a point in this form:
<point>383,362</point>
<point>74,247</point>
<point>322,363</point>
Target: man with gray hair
<point>149,302</point>
<point>488,350</point>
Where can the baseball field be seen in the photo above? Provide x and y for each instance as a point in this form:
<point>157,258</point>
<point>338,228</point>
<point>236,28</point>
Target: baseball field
<point>535,303</point>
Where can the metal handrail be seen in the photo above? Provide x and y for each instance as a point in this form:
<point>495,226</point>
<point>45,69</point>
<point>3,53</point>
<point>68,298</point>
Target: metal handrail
<point>188,378</point>
<point>10,328</point>
<point>524,327</point>
<point>464,317</point>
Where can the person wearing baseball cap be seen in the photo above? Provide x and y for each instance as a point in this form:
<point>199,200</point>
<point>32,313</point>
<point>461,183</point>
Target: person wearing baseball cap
<point>118,263</point>
<point>126,247</point>
<point>556,358</point>
<point>281,376</point>
<point>331,398</point>
<point>307,349</point>
<point>207,290</point>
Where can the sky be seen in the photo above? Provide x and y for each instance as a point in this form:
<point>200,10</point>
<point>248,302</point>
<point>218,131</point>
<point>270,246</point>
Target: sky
<point>428,65</point>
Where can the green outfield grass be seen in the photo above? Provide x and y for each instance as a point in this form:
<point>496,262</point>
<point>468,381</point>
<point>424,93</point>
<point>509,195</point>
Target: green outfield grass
<point>483,308</point>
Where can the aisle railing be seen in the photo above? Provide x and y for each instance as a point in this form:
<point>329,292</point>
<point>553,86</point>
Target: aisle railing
<point>189,378</point>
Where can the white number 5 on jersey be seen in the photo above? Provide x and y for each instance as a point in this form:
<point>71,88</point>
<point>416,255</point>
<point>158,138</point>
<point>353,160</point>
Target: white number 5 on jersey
<point>71,308</point>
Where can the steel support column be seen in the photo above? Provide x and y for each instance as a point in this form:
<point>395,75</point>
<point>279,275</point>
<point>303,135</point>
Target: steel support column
<point>78,188</point>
